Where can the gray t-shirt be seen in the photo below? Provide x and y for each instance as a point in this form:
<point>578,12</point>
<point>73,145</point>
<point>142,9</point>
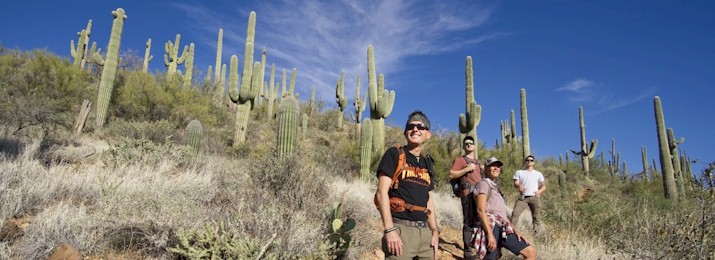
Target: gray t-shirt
<point>496,204</point>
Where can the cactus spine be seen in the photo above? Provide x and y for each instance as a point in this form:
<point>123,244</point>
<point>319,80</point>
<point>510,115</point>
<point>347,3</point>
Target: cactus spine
<point>219,49</point>
<point>109,71</point>
<point>193,134</point>
<point>340,98</point>
<point>381,102</point>
<point>287,125</point>
<point>171,55</point>
<point>272,92</point>
<point>524,126</point>
<point>586,152</point>
<point>666,164</point>
<point>365,148</point>
<point>189,67</point>
<point>673,145</point>
<point>147,56</point>
<point>468,122</point>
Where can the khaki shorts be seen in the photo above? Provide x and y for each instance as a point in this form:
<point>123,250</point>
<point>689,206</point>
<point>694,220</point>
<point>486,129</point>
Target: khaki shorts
<point>415,243</point>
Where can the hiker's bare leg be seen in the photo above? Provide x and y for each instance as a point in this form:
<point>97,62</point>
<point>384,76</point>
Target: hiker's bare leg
<point>528,253</point>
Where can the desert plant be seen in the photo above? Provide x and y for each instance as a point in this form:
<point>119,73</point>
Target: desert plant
<point>666,163</point>
<point>587,152</point>
<point>287,125</point>
<point>172,59</point>
<point>365,149</point>
<point>340,98</point>
<point>468,122</point>
<point>381,102</point>
<point>339,231</point>
<point>109,69</point>
<point>193,133</point>
<point>526,148</point>
<point>147,56</point>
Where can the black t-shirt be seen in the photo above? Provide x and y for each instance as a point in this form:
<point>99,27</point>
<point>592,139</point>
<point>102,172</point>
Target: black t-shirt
<point>414,189</point>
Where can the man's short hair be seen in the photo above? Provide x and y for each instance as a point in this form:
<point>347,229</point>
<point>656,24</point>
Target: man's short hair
<point>469,137</point>
<point>418,116</point>
<point>529,156</point>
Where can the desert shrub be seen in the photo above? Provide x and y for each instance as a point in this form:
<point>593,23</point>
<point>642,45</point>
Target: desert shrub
<point>160,131</point>
<point>40,93</point>
<point>219,241</point>
<point>142,151</point>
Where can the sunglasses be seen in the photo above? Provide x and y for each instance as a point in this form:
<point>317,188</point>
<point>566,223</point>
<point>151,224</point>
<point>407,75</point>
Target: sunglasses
<point>528,160</point>
<point>419,127</point>
<point>468,143</point>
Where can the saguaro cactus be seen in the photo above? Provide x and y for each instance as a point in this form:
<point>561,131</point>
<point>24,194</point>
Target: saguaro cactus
<point>644,160</point>
<point>359,105</point>
<point>109,71</point>
<point>468,122</point>
<point>189,67</point>
<point>272,92</point>
<point>513,127</point>
<point>587,152</point>
<point>193,134</point>
<point>219,49</point>
<point>249,82</point>
<point>666,163</point>
<point>365,149</point>
<point>287,125</point>
<point>381,102</point>
<point>678,172</point>
<point>303,126</point>
<point>171,55</point>
<point>90,56</point>
<point>524,126</point>
<point>340,98</point>
<point>80,52</point>
<point>147,56</point>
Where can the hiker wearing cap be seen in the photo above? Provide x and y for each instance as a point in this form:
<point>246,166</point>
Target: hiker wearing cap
<point>405,177</point>
<point>494,230</point>
<point>531,185</point>
<point>465,174</point>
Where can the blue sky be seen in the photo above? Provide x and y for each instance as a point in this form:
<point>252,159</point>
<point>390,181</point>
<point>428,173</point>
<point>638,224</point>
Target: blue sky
<point>611,57</point>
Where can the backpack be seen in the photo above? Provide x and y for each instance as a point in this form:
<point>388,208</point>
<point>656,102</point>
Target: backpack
<point>401,166</point>
<point>463,186</point>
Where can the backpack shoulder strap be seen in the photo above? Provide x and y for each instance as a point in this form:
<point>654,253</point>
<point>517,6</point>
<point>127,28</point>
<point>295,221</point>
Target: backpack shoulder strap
<point>401,162</point>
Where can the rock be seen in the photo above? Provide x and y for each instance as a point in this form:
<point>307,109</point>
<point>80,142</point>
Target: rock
<point>65,251</point>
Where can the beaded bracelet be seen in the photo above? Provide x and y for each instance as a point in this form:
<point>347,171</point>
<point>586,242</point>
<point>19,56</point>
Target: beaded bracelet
<point>388,230</point>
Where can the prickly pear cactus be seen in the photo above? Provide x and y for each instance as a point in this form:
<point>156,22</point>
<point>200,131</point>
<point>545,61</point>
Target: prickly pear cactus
<point>109,71</point>
<point>193,134</point>
<point>287,125</point>
<point>338,232</point>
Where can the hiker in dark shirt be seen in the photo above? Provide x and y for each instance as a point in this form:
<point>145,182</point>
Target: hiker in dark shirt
<point>407,211</point>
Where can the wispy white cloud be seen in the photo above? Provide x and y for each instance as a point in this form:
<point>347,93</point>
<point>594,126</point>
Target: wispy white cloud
<point>584,91</point>
<point>323,38</point>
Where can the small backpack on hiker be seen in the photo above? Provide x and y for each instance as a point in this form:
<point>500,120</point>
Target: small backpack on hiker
<point>398,204</point>
<point>463,186</point>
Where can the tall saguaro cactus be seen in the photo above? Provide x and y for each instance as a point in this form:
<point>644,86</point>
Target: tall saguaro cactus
<point>287,125</point>
<point>365,149</point>
<point>272,92</point>
<point>147,56</point>
<point>109,71</point>
<point>340,98</point>
<point>359,105</point>
<point>80,52</point>
<point>469,121</point>
<point>381,102</point>
<point>587,152</point>
<point>524,126</point>
<point>219,49</point>
<point>171,55</point>
<point>666,163</point>
<point>189,67</point>
<point>673,145</point>
<point>249,82</point>
<point>644,160</point>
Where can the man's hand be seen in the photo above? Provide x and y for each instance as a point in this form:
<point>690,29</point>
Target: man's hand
<point>394,243</point>
<point>435,244</point>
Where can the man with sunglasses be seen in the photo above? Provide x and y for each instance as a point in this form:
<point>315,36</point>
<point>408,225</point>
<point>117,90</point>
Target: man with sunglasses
<point>531,185</point>
<point>467,173</point>
<point>403,199</point>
